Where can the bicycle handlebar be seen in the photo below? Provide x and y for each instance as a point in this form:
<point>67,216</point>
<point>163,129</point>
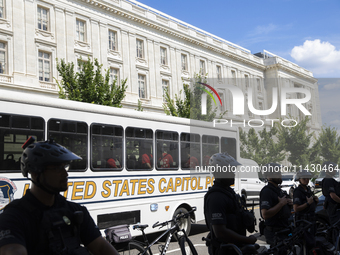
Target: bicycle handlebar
<point>185,215</point>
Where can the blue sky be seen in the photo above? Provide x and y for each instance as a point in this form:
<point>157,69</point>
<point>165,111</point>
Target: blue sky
<point>306,32</point>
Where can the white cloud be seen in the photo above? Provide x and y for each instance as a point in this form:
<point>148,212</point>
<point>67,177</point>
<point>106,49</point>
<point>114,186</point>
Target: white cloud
<point>261,30</point>
<point>332,86</point>
<point>322,58</point>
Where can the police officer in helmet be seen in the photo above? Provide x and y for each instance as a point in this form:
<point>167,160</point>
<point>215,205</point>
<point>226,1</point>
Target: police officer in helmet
<point>42,221</point>
<point>331,191</point>
<point>304,205</point>
<point>304,200</point>
<point>221,206</point>
<point>275,205</point>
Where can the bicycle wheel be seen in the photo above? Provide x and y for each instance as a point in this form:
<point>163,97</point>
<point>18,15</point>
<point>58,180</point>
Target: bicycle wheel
<point>187,248</point>
<point>135,249</point>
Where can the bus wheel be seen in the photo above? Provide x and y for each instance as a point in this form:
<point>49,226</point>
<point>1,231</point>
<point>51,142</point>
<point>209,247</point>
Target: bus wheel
<point>184,223</point>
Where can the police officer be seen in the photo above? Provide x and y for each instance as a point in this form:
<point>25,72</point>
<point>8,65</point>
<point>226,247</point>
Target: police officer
<point>221,206</point>
<point>42,221</point>
<point>331,191</point>
<point>275,206</point>
<point>304,200</point>
<point>304,205</point>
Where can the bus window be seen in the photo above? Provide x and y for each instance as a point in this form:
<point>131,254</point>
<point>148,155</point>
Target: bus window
<point>14,131</point>
<point>190,150</point>
<point>139,148</point>
<point>167,150</point>
<point>210,146</point>
<point>106,147</point>
<point>229,145</point>
<point>72,135</point>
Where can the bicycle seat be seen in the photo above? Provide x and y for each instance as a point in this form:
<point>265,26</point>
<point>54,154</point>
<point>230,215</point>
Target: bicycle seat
<point>140,226</point>
<point>250,248</point>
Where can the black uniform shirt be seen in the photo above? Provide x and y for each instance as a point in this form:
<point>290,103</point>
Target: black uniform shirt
<point>299,198</point>
<point>268,199</point>
<point>329,185</point>
<point>21,226</point>
<point>220,209</point>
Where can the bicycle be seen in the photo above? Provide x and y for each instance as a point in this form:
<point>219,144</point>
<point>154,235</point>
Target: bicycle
<point>248,249</point>
<point>144,248</point>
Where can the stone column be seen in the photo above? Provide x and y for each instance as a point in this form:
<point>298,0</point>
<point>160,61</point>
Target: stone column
<point>133,71</point>
<point>103,44</point>
<point>70,36</point>
<point>152,61</point>
<point>95,40</point>
<point>19,42</point>
<point>60,33</point>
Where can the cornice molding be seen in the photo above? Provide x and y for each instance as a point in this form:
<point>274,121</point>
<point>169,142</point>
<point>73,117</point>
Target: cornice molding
<point>293,71</point>
<point>183,33</point>
<point>136,17</point>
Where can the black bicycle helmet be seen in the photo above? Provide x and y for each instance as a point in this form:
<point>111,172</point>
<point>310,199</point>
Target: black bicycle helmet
<point>272,170</point>
<point>222,165</point>
<point>37,155</point>
<point>304,173</point>
<point>330,168</point>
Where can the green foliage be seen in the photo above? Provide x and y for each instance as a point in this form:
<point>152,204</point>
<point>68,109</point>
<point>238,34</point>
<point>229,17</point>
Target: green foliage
<point>89,85</point>
<point>261,147</point>
<point>190,106</point>
<point>329,143</point>
<point>139,106</point>
<point>297,142</point>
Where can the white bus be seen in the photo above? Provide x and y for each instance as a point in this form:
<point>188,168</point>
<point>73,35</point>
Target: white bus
<point>126,175</point>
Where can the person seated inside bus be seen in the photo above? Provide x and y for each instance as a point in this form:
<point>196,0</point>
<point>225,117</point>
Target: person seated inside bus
<point>166,160</point>
<point>117,160</point>
<point>146,160</point>
<point>111,163</point>
<point>205,160</point>
<point>192,162</point>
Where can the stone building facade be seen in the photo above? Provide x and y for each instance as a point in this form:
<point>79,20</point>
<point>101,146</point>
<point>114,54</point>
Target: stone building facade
<point>151,49</point>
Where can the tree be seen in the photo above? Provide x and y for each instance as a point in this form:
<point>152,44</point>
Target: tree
<point>261,147</point>
<point>190,106</point>
<point>89,85</point>
<point>139,106</point>
<point>329,142</point>
<point>297,143</point>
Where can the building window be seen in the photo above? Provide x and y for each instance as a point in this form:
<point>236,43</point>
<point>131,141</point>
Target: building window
<point>233,77</point>
<point>202,67</point>
<point>141,86</point>
<point>42,18</point>
<point>258,82</point>
<point>184,62</point>
<point>164,60</point>
<point>114,75</point>
<point>81,64</point>
<point>165,88</point>
<point>222,99</point>
<point>246,81</point>
<point>112,40</point>
<point>140,48</point>
<point>44,66</point>
<point>2,8</point>
<point>3,58</point>
<point>80,30</point>
<point>219,72</point>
